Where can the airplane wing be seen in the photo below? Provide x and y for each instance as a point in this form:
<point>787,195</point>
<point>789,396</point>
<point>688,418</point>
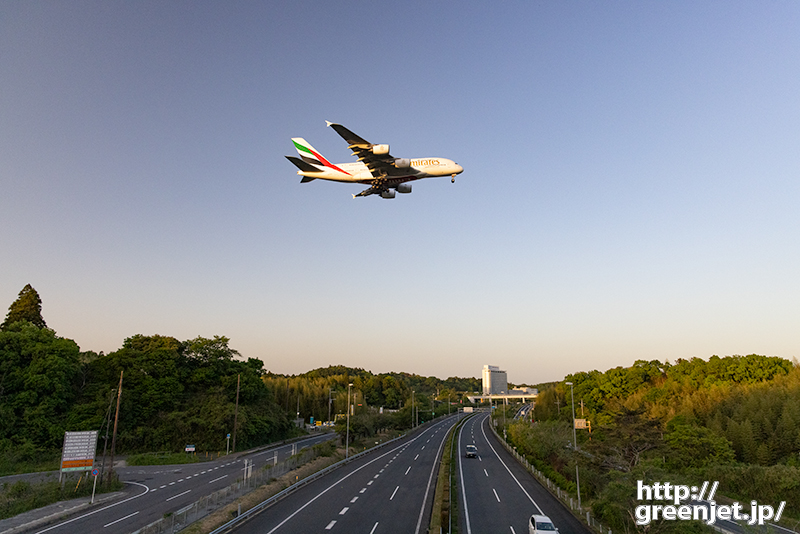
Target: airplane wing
<point>376,157</point>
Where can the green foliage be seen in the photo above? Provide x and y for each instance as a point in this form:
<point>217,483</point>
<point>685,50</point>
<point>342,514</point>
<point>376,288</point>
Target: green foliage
<point>309,393</point>
<point>326,448</point>
<point>175,393</point>
<point>771,484</point>
<point>27,307</point>
<point>734,419</point>
<point>167,458</point>
<point>38,372</point>
<point>21,496</point>
<point>23,456</point>
<point>695,446</point>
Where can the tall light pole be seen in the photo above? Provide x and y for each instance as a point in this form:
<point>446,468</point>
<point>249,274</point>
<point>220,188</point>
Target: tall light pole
<point>330,400</point>
<point>412,408</point>
<point>347,446</point>
<point>236,413</point>
<point>575,443</point>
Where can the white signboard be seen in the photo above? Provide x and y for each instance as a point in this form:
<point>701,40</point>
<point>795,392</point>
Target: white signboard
<point>79,450</point>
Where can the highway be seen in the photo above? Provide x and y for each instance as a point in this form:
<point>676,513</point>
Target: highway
<point>389,490</point>
<point>496,494</point>
<point>154,491</point>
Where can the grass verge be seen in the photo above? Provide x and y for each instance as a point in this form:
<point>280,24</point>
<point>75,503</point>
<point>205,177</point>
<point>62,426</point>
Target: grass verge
<point>170,458</point>
<point>444,517</point>
<point>22,496</point>
<point>262,493</point>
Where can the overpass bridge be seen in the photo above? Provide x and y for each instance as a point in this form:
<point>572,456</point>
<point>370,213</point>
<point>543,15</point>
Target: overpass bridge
<point>509,396</point>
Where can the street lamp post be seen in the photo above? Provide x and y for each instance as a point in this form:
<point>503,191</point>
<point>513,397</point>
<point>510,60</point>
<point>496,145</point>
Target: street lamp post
<point>412,408</point>
<point>575,443</point>
<point>347,446</point>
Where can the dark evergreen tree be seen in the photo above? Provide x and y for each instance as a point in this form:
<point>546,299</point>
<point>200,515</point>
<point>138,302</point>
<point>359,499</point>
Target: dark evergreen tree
<point>27,307</point>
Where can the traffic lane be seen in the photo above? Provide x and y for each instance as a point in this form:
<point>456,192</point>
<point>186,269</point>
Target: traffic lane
<point>156,473</point>
<point>493,501</point>
<point>152,503</point>
<point>310,508</point>
<point>550,505</point>
<point>320,505</point>
<point>166,489</point>
<point>182,490</point>
<point>737,527</point>
<point>398,501</point>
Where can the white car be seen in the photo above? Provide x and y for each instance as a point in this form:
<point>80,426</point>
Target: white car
<point>541,524</point>
<point>472,451</point>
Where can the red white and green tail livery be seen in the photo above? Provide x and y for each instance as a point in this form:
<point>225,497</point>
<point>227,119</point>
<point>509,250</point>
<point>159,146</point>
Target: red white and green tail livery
<point>385,175</point>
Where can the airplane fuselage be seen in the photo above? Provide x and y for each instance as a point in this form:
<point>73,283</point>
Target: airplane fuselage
<point>357,172</point>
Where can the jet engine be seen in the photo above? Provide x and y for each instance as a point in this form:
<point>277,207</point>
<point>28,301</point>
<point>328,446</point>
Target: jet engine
<point>402,163</point>
<point>403,188</point>
<point>379,150</point>
<point>388,193</point>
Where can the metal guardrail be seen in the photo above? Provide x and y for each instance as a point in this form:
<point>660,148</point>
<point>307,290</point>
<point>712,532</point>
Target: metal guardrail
<point>180,519</point>
<point>294,487</point>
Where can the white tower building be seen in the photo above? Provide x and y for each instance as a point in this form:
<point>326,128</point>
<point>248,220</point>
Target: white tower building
<point>495,381</point>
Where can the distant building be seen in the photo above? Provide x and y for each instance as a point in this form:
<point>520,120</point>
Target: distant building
<point>524,391</point>
<point>495,381</point>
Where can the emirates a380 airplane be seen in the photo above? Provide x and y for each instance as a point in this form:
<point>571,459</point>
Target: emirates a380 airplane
<point>385,174</point>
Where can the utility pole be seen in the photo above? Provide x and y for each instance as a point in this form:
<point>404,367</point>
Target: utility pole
<point>108,425</point>
<point>347,446</point>
<point>330,401</point>
<point>412,408</point>
<point>575,443</point>
<point>116,420</point>
<point>236,413</point>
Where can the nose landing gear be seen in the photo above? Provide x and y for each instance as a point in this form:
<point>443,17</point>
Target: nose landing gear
<point>453,179</point>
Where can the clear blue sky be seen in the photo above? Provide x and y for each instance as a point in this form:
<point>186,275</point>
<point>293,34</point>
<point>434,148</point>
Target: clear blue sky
<point>630,187</point>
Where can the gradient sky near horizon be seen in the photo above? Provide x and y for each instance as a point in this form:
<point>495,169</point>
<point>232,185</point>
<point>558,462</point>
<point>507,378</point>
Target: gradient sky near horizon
<point>630,187</point>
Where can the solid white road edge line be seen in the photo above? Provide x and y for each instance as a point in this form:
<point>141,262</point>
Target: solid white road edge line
<point>509,471</point>
<point>121,519</point>
<point>99,510</point>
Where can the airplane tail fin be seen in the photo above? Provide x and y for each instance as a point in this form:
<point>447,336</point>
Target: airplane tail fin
<point>310,156</point>
<point>308,153</point>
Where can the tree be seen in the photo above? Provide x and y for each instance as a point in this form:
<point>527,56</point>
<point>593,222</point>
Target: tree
<point>37,374</point>
<point>27,307</point>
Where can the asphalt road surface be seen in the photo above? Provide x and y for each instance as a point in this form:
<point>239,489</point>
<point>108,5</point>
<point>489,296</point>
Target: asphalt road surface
<point>387,491</point>
<point>158,490</point>
<point>496,494</point>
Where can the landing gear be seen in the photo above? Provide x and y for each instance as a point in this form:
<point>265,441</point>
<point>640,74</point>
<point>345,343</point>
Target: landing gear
<point>453,179</point>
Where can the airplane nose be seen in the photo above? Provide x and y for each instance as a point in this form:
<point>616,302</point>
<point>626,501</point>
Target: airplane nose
<point>459,169</point>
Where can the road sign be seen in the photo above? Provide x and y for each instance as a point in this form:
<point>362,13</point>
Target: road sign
<point>190,448</point>
<point>95,472</point>
<point>581,424</point>
<point>78,452</point>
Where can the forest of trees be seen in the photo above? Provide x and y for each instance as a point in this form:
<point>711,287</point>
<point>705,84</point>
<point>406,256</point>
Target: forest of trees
<point>173,392</point>
<point>177,392</point>
<point>313,390</point>
<point>734,419</point>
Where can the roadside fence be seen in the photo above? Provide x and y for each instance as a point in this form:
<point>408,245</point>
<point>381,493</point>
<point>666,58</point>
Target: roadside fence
<point>249,480</point>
